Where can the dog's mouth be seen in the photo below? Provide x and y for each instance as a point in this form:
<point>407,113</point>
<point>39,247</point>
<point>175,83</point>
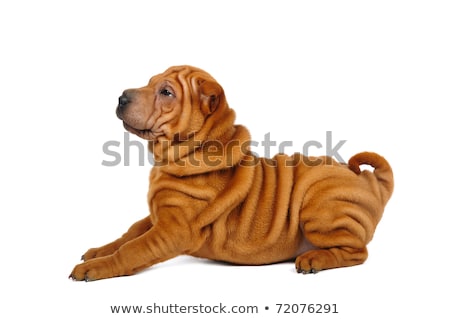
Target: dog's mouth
<point>146,134</point>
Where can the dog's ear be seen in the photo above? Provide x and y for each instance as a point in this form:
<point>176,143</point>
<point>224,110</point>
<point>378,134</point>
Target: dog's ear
<point>211,94</point>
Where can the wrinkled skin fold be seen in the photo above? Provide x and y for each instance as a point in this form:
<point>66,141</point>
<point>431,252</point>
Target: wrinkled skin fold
<point>210,197</point>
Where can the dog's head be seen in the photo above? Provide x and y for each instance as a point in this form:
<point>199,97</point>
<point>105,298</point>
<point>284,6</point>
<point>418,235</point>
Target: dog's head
<point>174,105</point>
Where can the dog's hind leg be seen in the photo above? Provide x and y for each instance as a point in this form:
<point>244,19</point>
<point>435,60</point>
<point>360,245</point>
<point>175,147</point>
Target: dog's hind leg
<point>136,230</point>
<point>319,259</point>
<point>336,240</point>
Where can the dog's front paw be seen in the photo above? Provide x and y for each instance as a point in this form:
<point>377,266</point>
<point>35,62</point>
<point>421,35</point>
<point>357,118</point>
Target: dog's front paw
<point>99,252</point>
<point>94,269</point>
<point>90,254</point>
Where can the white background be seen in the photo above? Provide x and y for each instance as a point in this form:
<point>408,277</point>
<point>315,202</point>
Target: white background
<point>375,73</point>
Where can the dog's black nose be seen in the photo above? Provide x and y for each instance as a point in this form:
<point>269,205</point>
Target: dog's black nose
<point>124,99</point>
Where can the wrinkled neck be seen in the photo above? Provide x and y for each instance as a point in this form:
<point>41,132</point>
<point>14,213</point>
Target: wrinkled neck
<point>218,145</point>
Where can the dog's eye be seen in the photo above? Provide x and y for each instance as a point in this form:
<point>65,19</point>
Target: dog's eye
<point>166,92</point>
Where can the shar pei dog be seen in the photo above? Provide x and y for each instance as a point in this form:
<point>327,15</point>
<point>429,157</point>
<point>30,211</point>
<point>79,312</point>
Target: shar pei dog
<point>211,197</point>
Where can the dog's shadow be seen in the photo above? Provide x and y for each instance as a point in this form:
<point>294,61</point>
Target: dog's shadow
<point>185,261</point>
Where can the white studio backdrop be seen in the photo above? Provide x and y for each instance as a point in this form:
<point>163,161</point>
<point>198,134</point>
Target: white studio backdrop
<point>375,74</point>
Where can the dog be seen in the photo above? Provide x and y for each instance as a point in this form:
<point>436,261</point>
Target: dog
<point>211,197</point>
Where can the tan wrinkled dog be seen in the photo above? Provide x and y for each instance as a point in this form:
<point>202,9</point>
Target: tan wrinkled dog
<point>211,197</point>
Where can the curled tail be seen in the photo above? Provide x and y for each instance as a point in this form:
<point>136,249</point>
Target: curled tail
<point>382,170</point>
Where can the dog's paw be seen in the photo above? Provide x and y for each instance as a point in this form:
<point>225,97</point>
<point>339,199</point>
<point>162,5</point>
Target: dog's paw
<point>313,261</point>
<point>90,254</point>
<point>94,269</point>
<point>99,252</point>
